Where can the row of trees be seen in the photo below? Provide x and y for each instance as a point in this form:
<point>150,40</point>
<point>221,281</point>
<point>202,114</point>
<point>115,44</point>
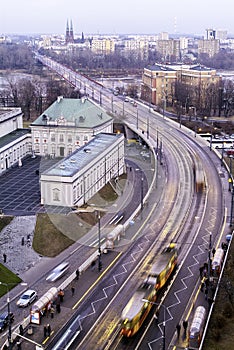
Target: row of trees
<point>34,95</point>
<point>213,100</point>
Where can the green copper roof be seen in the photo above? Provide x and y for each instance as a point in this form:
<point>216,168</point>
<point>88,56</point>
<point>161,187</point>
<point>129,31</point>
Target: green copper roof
<point>81,113</point>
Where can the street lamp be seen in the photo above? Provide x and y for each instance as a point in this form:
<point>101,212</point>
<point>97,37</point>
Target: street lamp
<point>164,319</point>
<point>98,211</point>
<point>9,311</point>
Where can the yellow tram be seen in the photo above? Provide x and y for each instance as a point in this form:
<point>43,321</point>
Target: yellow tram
<point>137,309</point>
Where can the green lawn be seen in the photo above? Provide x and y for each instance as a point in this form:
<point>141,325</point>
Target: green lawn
<point>9,278</point>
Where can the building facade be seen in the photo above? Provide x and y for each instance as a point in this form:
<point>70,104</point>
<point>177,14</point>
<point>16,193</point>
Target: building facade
<point>78,177</point>
<point>67,125</point>
<point>15,142</point>
<point>158,80</point>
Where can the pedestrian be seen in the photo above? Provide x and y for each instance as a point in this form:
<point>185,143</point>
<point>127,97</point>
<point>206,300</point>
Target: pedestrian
<point>77,274</point>
<point>48,329</point>
<point>18,345</point>
<point>4,258</point>
<point>202,286</point>
<point>21,330</point>
<point>58,307</point>
<point>73,290</point>
<point>201,271</point>
<point>22,241</point>
<point>61,295</point>
<point>178,328</point>
<point>52,311</point>
<point>93,265</point>
<point>45,332</point>
<point>213,251</point>
<point>185,325</point>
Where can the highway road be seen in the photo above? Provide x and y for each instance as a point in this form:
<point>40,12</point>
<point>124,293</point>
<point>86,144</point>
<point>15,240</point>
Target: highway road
<point>180,214</point>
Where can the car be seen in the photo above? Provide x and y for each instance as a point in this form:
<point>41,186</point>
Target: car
<point>58,272</point>
<point>27,298</point>
<point>4,320</point>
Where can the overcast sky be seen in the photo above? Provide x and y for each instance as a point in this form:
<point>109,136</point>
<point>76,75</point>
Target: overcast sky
<point>116,16</point>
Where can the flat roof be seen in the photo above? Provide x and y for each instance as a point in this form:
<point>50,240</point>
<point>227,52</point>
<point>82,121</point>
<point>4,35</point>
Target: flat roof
<point>70,165</point>
<point>13,136</point>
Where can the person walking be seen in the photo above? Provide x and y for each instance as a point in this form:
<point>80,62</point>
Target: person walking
<point>61,295</point>
<point>185,326</point>
<point>77,274</point>
<point>73,290</point>
<point>45,332</point>
<point>178,328</point>
<point>48,329</point>
<point>58,307</point>
<point>52,311</point>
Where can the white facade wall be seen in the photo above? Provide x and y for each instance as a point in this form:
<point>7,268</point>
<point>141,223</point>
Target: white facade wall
<point>62,141</point>
<point>14,152</point>
<point>10,120</point>
<point>86,182</point>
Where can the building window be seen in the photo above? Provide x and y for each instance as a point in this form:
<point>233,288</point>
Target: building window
<point>85,138</point>
<point>52,137</point>
<point>61,138</point>
<point>69,138</point>
<point>56,195</point>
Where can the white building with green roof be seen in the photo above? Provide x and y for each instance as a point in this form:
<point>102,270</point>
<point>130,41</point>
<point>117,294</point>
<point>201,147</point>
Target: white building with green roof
<point>78,177</point>
<point>67,125</point>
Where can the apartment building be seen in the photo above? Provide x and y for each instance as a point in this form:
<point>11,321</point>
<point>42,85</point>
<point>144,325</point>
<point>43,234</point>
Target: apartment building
<point>168,49</point>
<point>103,46</point>
<point>158,80</point>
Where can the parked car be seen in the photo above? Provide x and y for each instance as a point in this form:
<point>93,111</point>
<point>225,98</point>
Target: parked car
<point>27,298</point>
<point>58,272</point>
<point>4,320</point>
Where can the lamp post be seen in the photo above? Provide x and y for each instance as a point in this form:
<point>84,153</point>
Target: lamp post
<point>98,211</point>
<point>99,242</point>
<point>164,319</point>
<point>232,204</point>
<point>9,311</point>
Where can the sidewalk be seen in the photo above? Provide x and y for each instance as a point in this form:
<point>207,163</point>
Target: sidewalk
<point>35,332</point>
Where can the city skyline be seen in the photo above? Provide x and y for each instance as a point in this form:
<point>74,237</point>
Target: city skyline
<point>120,17</point>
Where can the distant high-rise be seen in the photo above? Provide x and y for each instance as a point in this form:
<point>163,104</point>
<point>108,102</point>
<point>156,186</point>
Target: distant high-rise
<point>210,34</point>
<point>69,33</point>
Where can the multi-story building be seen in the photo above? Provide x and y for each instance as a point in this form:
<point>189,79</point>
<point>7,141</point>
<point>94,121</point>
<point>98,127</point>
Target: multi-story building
<point>103,46</point>
<point>15,142</point>
<point>139,47</point>
<point>210,45</point>
<point>67,125</point>
<point>158,81</point>
<point>168,49</point>
<point>78,177</point>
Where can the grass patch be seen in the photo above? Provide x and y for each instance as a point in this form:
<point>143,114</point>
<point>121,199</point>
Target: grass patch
<point>5,220</point>
<point>7,277</point>
<point>48,238</point>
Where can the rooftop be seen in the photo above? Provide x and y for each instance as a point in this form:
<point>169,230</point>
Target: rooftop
<point>13,136</point>
<point>81,113</point>
<point>70,165</point>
